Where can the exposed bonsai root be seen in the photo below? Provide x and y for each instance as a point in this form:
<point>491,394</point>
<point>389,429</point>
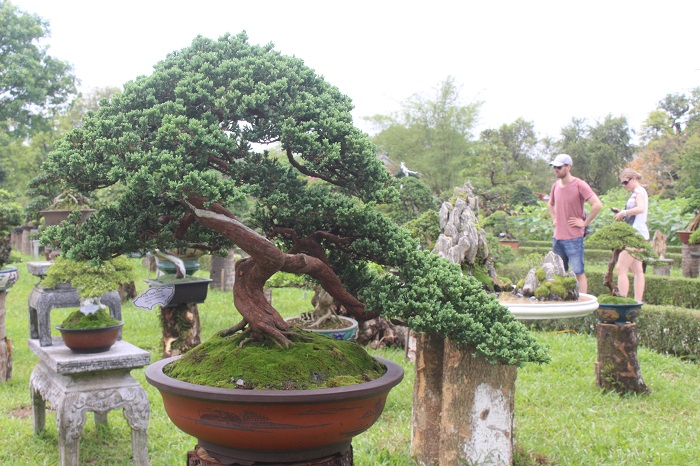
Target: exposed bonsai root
<point>327,316</point>
<point>236,328</point>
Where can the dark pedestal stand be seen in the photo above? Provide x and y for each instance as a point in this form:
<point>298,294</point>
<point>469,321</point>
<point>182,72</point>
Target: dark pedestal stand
<point>199,457</point>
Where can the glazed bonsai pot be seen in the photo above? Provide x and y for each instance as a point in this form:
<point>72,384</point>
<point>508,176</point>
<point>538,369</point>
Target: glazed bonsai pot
<point>55,217</point>
<point>346,333</point>
<point>618,313</point>
<point>273,426</point>
<point>168,267</point>
<point>90,340</point>
<point>8,277</point>
<point>187,290</point>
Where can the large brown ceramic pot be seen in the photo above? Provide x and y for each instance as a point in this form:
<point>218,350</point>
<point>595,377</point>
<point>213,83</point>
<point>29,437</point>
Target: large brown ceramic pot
<point>273,426</point>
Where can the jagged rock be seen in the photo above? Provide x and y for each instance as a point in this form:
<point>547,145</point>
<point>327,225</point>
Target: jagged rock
<point>553,266</point>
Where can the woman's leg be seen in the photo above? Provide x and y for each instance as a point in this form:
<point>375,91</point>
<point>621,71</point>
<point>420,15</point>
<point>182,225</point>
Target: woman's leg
<point>624,262</point>
<point>639,280</point>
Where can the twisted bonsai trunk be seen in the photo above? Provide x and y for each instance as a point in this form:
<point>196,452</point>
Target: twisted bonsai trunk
<point>608,279</point>
<point>262,320</point>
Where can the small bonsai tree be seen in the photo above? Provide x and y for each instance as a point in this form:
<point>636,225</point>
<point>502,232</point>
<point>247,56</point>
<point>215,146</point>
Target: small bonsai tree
<point>185,143</point>
<point>10,217</point>
<point>619,236</point>
<point>91,280</point>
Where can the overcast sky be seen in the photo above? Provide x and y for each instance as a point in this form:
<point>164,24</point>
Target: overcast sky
<point>544,61</point>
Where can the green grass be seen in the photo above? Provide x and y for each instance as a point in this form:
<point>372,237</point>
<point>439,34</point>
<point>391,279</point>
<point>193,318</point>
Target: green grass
<point>560,416</point>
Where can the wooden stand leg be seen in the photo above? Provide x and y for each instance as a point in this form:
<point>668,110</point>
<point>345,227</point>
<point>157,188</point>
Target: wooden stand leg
<point>617,368</point>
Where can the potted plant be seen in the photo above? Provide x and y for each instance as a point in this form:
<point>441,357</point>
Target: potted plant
<point>64,204</point>
<point>90,329</point>
<point>325,319</point>
<point>619,236</point>
<point>186,162</point>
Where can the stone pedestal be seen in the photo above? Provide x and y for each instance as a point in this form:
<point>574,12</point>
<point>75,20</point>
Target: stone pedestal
<point>43,300</point>
<point>74,384</point>
<point>661,266</point>
<point>690,262</point>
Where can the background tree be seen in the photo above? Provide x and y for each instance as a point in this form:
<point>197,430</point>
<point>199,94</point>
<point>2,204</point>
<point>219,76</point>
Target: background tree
<point>431,135</point>
<point>599,151</point>
<point>33,84</point>
<point>506,170</point>
<point>34,88</point>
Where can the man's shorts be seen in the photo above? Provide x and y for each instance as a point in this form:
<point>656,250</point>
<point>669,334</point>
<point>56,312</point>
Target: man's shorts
<point>571,252</point>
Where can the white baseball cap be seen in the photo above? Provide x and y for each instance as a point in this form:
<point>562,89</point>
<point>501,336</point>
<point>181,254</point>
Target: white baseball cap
<point>561,159</point>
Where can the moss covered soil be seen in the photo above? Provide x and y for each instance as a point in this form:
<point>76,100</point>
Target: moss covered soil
<point>99,319</point>
<point>312,362</point>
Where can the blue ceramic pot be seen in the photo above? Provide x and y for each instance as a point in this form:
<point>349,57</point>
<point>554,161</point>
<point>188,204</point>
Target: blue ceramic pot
<point>618,313</point>
<point>8,276</point>
<point>345,333</point>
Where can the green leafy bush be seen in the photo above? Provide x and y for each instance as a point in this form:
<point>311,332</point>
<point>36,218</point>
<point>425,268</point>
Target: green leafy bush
<point>90,279</point>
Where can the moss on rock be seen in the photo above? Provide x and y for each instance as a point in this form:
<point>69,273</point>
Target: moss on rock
<point>312,362</point>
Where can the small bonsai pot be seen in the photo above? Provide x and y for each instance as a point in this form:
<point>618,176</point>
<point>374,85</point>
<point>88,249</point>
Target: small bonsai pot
<point>168,267</point>
<point>90,340</point>
<point>684,236</point>
<point>511,243</point>
<point>187,290</point>
<point>55,217</point>
<point>619,314</point>
<point>273,426</point>
<point>345,333</point>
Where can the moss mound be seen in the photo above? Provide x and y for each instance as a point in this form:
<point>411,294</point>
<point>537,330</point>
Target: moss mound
<point>311,362</point>
<point>99,319</point>
<point>609,299</point>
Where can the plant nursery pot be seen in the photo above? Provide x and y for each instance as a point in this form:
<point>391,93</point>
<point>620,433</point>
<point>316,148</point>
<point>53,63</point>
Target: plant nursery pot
<point>8,277</point>
<point>90,340</point>
<point>513,244</point>
<point>345,333</point>
<point>55,217</point>
<point>684,236</point>
<point>273,426</point>
<point>618,313</point>
<point>187,290</point>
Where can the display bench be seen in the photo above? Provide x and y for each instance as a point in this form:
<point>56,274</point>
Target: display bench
<point>74,384</point>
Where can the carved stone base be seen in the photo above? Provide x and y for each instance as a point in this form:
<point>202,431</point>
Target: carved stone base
<point>102,384</point>
<point>200,457</point>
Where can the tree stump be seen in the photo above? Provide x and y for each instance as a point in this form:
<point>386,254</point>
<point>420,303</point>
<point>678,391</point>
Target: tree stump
<point>200,457</point>
<point>181,328</point>
<point>617,368</point>
<point>463,406</point>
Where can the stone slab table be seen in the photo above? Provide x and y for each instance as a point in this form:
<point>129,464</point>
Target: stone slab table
<point>74,384</point>
<point>43,300</point>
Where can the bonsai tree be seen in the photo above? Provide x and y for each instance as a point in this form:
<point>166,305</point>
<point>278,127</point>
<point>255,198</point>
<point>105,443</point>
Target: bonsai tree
<point>188,142</point>
<point>619,236</point>
<point>91,280</point>
<point>10,217</point>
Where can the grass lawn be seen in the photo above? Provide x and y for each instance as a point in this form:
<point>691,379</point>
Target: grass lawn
<point>561,418</point>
